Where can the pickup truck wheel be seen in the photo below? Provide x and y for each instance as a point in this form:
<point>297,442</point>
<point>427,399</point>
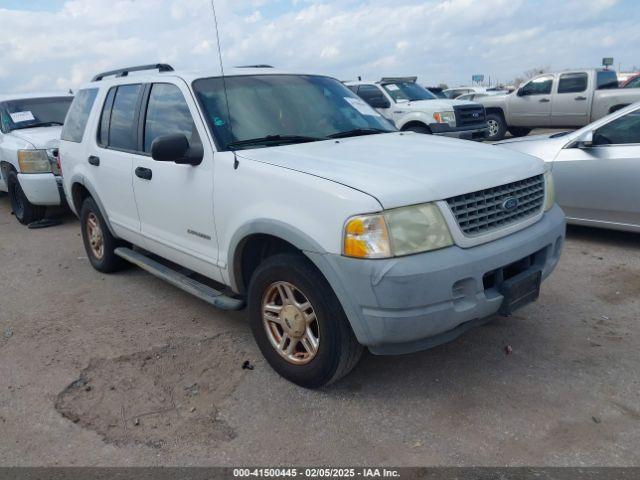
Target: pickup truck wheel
<point>519,131</point>
<point>24,211</point>
<point>418,129</point>
<point>497,127</point>
<point>98,241</point>
<point>299,324</point>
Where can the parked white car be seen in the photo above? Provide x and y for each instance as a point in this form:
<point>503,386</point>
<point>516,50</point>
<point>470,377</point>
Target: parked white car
<point>336,230</point>
<point>30,127</point>
<point>596,169</point>
<point>412,107</point>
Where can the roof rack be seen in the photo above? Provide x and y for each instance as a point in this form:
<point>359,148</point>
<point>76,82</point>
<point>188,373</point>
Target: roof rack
<point>123,72</point>
<point>398,79</point>
<point>255,66</point>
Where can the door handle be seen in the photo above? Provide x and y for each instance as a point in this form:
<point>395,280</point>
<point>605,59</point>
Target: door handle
<point>93,160</point>
<point>144,173</point>
<point>580,97</point>
<point>544,100</point>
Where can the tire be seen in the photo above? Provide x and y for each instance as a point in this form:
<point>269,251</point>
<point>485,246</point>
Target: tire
<point>418,129</point>
<point>24,211</point>
<point>102,259</point>
<point>519,131</point>
<point>497,127</point>
<point>337,350</point>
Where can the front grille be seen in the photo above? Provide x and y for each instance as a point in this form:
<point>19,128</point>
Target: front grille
<point>469,115</point>
<point>483,211</point>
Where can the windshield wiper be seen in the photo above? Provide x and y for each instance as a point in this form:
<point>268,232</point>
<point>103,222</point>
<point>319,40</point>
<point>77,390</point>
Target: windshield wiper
<point>271,140</point>
<point>36,125</point>
<point>357,132</point>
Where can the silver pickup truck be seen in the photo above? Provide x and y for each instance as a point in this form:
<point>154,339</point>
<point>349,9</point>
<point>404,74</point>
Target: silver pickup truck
<point>557,100</point>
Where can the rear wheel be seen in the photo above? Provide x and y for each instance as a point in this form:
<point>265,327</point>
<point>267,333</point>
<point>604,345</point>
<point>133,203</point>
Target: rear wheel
<point>299,324</point>
<point>497,127</point>
<point>519,131</point>
<point>99,243</point>
<point>24,211</point>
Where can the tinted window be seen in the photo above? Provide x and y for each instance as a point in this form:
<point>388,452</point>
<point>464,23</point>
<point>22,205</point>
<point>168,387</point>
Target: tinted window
<point>33,112</point>
<point>103,128</point>
<point>285,105</point>
<point>538,86</point>
<point>353,88</point>
<point>168,113</point>
<point>607,79</point>
<point>122,127</point>
<point>625,129</point>
<point>572,83</point>
<point>634,83</point>
<point>78,115</point>
<point>370,92</point>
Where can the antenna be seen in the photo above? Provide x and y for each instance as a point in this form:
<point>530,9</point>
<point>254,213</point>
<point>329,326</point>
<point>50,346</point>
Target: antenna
<point>224,83</point>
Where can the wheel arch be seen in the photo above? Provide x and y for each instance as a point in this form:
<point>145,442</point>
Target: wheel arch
<point>497,111</point>
<point>80,190</point>
<point>620,106</point>
<point>415,123</point>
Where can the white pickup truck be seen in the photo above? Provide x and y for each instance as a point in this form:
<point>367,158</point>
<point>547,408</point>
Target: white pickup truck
<point>335,229</point>
<point>412,107</point>
<point>572,98</point>
<point>30,127</point>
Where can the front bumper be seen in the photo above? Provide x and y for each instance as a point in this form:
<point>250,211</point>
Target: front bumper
<point>42,188</point>
<point>476,132</point>
<point>411,303</point>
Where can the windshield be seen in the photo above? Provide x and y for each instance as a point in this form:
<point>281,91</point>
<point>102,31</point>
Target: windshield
<point>33,112</point>
<point>409,91</point>
<point>267,110</point>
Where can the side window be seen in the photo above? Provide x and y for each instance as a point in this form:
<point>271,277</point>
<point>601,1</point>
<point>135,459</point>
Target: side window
<point>369,93</point>
<point>168,113</point>
<point>606,79</point>
<point>353,88</point>
<point>105,117</point>
<point>621,131</point>
<point>78,115</point>
<point>635,83</point>
<point>572,82</point>
<point>122,126</point>
<point>538,86</point>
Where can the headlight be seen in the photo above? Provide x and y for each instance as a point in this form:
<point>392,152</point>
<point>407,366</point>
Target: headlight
<point>397,232</point>
<point>34,161</point>
<point>549,191</point>
<point>445,117</point>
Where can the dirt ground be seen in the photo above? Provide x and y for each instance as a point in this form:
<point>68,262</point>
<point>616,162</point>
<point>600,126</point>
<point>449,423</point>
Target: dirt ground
<point>126,370</point>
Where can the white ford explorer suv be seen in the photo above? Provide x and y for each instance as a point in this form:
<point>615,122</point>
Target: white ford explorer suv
<point>29,133</point>
<point>412,107</point>
<point>289,194</point>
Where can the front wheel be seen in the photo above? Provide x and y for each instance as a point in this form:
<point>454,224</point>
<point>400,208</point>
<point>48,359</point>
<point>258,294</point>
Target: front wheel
<point>418,129</point>
<point>24,211</point>
<point>497,127</point>
<point>298,322</point>
<point>519,131</point>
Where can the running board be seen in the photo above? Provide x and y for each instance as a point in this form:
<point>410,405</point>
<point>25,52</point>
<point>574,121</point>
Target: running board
<point>177,279</point>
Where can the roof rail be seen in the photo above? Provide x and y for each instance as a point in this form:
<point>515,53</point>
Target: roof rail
<point>398,79</point>
<point>123,72</point>
<point>255,66</point>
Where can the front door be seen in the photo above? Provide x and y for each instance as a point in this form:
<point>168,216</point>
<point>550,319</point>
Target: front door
<point>530,106</point>
<point>175,202</point>
<point>602,183</point>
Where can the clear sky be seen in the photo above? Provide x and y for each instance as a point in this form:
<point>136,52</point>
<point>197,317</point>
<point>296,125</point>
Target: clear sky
<point>58,44</point>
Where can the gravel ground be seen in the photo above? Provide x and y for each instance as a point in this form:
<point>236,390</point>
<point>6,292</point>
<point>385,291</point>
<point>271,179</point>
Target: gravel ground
<point>126,370</point>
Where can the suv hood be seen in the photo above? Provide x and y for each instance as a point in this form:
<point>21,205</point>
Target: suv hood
<point>401,169</point>
<point>39,137</point>
<point>439,105</point>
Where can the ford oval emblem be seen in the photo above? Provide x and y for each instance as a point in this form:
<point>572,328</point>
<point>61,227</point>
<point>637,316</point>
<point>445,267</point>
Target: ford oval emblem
<point>509,204</point>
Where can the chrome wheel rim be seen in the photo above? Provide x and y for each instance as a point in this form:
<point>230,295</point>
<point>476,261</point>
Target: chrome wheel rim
<point>291,323</point>
<point>94,235</point>
<point>493,128</point>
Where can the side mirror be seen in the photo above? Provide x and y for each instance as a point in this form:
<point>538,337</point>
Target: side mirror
<point>585,140</point>
<point>176,148</point>
<point>379,102</point>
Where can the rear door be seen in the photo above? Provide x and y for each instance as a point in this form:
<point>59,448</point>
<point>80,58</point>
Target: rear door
<point>601,183</point>
<point>570,103</point>
<point>530,106</point>
<point>175,202</point>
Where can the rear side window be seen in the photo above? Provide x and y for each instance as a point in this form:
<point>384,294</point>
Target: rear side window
<point>168,113</point>
<point>369,93</point>
<point>572,83</point>
<point>607,79</point>
<point>121,118</point>
<point>76,121</point>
